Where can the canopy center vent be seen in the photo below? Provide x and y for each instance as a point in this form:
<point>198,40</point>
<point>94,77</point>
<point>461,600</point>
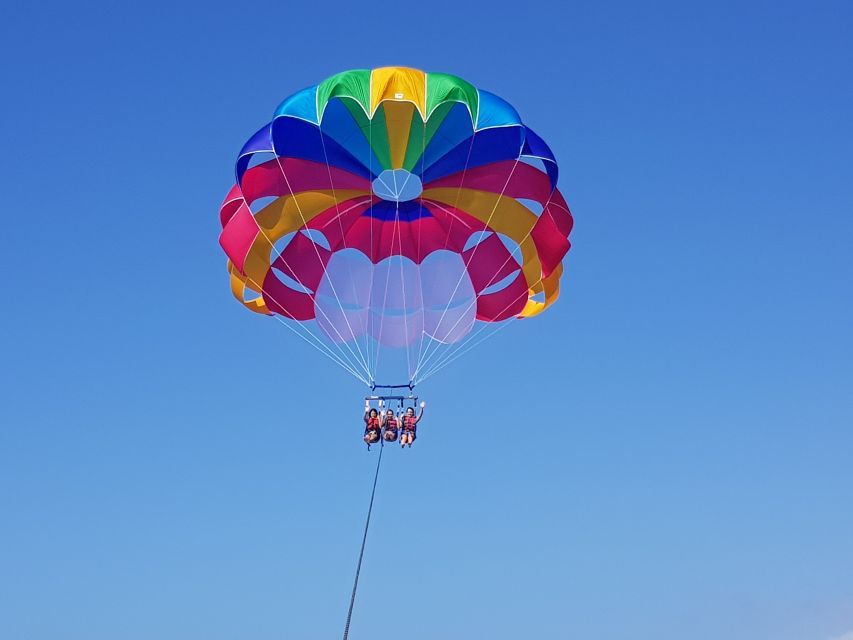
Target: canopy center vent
<point>397,185</point>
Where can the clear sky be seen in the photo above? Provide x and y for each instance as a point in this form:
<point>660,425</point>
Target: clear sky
<point>667,453</point>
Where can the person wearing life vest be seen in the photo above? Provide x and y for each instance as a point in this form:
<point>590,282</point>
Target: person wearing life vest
<point>390,423</point>
<point>372,425</point>
<point>410,425</point>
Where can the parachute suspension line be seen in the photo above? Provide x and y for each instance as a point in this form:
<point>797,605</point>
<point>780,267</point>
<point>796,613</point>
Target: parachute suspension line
<point>432,341</point>
<point>331,356</point>
<point>394,230</point>
<point>418,252</point>
<point>360,356</point>
<point>338,216</point>
<point>461,183</point>
<point>426,338</point>
<point>448,357</point>
<point>363,540</point>
<point>371,360</point>
<point>403,291</point>
<point>409,370</point>
<point>318,344</point>
<point>456,353</point>
<point>340,351</point>
<point>428,357</point>
<point>451,356</point>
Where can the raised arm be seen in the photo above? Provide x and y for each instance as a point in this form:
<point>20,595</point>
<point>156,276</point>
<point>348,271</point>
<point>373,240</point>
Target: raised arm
<point>421,414</point>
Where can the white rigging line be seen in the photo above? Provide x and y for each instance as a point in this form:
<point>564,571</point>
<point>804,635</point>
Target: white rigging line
<point>328,354</point>
<point>403,291</point>
<point>369,331</point>
<point>418,252</point>
<point>343,236</point>
<point>448,357</point>
<point>440,223</point>
<point>443,359</point>
<point>319,345</point>
<point>360,356</point>
<point>352,279</point>
<point>423,352</point>
<point>398,193</point>
<point>428,356</point>
<point>385,294</point>
<point>447,361</point>
<point>341,354</point>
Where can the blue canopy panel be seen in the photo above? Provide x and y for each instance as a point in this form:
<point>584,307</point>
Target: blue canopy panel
<point>535,147</point>
<point>340,125</point>
<point>491,145</point>
<point>302,104</point>
<point>295,138</point>
<point>260,142</point>
<point>404,211</point>
<point>454,129</point>
<point>495,112</point>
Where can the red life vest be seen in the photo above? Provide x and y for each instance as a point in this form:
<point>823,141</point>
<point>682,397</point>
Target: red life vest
<point>390,423</point>
<point>373,424</point>
<point>409,423</point>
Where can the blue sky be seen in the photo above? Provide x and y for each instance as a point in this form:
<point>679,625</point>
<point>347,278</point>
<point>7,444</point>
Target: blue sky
<point>665,454</point>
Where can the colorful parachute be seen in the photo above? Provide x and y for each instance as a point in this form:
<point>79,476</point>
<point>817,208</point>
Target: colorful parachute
<point>394,210</point>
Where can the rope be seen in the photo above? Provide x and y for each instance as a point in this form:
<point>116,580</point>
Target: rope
<point>364,539</point>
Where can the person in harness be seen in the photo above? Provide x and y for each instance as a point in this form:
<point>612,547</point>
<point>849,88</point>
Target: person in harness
<point>372,425</point>
<point>391,425</point>
<point>410,425</point>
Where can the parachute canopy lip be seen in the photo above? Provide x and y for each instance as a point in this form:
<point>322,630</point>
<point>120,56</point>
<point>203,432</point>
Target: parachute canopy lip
<point>369,88</point>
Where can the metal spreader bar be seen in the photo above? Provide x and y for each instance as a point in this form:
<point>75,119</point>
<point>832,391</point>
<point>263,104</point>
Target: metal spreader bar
<point>410,386</point>
<point>399,398</point>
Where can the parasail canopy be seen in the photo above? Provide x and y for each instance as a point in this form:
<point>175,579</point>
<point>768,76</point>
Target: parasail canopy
<point>390,216</point>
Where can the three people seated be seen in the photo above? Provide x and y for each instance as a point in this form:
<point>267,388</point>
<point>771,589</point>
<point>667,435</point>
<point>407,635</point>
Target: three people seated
<point>388,426</point>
